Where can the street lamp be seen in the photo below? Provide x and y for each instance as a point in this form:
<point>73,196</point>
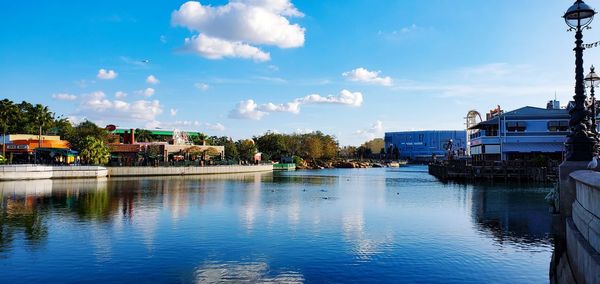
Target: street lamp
<point>592,80</point>
<point>580,142</point>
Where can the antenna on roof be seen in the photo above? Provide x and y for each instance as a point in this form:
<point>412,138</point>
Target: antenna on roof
<point>555,95</point>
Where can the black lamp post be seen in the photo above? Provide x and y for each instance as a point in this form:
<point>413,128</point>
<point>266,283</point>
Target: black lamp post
<point>580,142</point>
<point>592,81</point>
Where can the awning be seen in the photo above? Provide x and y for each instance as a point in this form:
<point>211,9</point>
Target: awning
<point>485,124</point>
<point>59,151</point>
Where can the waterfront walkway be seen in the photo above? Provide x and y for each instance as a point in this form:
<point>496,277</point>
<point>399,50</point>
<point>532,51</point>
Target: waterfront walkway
<point>32,172</point>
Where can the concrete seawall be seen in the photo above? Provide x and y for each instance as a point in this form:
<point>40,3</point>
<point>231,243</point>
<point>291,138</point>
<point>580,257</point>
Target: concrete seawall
<point>34,172</point>
<point>583,231</point>
<point>31,172</point>
<point>578,250</point>
<point>179,171</point>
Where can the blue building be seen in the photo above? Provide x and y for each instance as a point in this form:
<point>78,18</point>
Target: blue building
<point>422,145</point>
<point>522,134</point>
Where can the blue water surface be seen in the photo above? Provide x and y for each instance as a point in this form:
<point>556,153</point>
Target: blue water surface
<point>395,225</point>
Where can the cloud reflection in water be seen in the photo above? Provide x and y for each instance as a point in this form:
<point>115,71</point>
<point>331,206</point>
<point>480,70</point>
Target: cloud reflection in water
<point>248,272</point>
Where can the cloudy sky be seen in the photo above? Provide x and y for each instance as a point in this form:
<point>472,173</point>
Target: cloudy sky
<point>353,68</point>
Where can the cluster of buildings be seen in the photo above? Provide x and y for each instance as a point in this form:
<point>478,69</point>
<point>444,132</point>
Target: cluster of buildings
<point>174,146</point>
<point>24,148</point>
<point>167,147</point>
<point>521,134</point>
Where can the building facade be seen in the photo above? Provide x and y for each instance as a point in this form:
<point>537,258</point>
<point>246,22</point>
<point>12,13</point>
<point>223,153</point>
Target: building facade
<point>26,148</point>
<point>526,133</point>
<point>424,145</point>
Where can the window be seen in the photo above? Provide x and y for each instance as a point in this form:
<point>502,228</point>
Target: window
<point>421,136</point>
<point>559,125</point>
<point>515,126</point>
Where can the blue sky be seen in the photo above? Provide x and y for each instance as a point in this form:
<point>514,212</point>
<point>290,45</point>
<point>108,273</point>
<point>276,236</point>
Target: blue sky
<point>354,68</point>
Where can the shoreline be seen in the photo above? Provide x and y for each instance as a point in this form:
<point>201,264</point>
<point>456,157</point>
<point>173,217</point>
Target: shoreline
<point>40,172</point>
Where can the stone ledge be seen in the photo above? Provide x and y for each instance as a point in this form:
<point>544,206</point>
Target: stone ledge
<point>175,171</point>
<point>587,188</point>
<point>583,259</point>
<point>590,178</point>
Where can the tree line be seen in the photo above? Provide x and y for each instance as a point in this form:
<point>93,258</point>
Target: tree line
<point>92,141</point>
<point>85,137</point>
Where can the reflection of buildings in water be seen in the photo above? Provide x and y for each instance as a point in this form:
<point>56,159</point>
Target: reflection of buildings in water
<point>176,197</point>
<point>243,272</point>
<point>512,215</point>
<point>251,202</point>
<point>146,223</point>
<point>24,205</point>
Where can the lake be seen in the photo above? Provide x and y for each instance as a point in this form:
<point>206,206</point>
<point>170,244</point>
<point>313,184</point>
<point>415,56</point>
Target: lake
<point>340,225</point>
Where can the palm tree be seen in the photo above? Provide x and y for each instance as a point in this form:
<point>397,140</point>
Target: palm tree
<point>143,135</point>
<point>43,118</point>
<point>95,151</point>
<point>8,112</point>
<point>202,137</point>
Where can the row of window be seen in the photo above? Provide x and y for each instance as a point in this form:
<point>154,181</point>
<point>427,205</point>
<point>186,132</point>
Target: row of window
<point>521,126</point>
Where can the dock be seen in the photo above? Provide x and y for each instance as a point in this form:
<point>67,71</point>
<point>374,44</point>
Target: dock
<point>465,170</point>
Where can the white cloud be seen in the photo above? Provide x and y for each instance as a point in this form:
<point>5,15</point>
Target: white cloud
<point>249,109</point>
<point>215,48</point>
<point>64,97</point>
<point>345,97</point>
<point>363,75</point>
<point>196,125</point>
<point>120,95</point>
<point>148,92</point>
<point>375,131</point>
<point>293,107</point>
<point>201,86</point>
<point>152,80</point>
<point>232,30</point>
<point>106,74</point>
<point>76,119</point>
<point>96,106</point>
<point>174,112</point>
<point>303,130</point>
<point>215,127</point>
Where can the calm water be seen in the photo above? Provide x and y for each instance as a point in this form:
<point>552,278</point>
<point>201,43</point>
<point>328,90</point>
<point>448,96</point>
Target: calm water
<point>354,225</point>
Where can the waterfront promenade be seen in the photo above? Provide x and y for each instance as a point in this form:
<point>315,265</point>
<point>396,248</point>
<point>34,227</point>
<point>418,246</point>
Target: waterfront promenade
<point>33,172</point>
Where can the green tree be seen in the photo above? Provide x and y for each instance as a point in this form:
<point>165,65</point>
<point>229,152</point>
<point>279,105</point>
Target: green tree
<point>143,135</point>
<point>209,153</point>
<point>375,145</point>
<point>271,145</point>
<point>312,148</point>
<point>292,144</point>
<point>42,117</point>
<point>8,115</point>
<point>246,149</point>
<point>94,151</point>
<point>84,129</point>
<point>231,151</point>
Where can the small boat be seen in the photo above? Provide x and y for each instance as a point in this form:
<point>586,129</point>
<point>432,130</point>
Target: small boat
<point>397,164</point>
